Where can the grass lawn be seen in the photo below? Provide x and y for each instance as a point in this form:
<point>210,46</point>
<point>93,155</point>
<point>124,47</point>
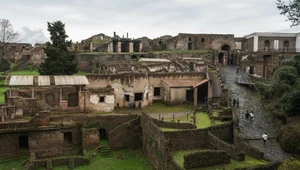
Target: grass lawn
<point>13,163</point>
<point>2,90</point>
<point>202,121</point>
<point>24,72</point>
<point>178,157</point>
<point>161,107</point>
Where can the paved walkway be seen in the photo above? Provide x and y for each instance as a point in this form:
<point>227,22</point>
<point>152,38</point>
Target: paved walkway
<point>262,123</point>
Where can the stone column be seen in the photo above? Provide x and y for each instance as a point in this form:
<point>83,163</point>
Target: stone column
<point>141,47</point>
<point>131,47</point>
<point>195,99</point>
<point>119,47</point>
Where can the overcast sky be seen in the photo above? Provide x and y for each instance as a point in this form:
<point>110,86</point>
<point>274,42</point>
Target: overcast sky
<point>151,18</point>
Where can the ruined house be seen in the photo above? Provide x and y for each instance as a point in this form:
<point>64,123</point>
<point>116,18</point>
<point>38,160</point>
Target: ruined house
<point>267,50</point>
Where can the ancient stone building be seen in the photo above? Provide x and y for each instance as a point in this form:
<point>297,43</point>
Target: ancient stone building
<point>14,51</point>
<point>262,52</point>
<point>124,45</point>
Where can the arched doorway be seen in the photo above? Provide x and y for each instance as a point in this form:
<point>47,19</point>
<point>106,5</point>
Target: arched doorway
<point>103,134</point>
<point>221,58</point>
<point>286,45</point>
<point>267,45</point>
<point>225,49</point>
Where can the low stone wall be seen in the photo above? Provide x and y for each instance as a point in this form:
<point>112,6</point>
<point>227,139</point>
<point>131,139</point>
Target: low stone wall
<point>48,153</point>
<point>205,158</point>
<point>126,135</point>
<point>217,144</point>
<point>71,162</point>
<point>174,125</point>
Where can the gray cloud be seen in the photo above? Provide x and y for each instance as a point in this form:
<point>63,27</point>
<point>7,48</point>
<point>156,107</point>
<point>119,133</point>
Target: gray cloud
<point>32,36</point>
<point>150,18</point>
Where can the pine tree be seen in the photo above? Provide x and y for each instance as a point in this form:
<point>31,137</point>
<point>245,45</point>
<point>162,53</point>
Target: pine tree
<point>59,60</point>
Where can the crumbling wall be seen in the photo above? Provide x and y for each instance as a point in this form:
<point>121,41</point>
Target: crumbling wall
<point>90,138</point>
<point>126,135</point>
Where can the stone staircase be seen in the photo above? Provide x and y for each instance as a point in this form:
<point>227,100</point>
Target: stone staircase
<point>105,152</point>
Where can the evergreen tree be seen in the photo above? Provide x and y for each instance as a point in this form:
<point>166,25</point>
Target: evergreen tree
<point>59,60</point>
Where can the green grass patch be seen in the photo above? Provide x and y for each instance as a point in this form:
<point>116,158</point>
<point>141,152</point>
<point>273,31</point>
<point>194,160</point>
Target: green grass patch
<point>2,82</point>
<point>202,121</point>
<point>124,159</point>
<point>24,72</point>
<point>15,163</point>
<point>79,73</point>
<point>2,90</point>
<point>161,107</point>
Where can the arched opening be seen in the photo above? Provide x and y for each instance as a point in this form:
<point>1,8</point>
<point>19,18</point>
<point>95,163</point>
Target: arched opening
<point>226,52</point>
<point>225,48</point>
<point>267,45</point>
<point>251,70</point>
<point>103,134</point>
<point>190,46</point>
<point>221,58</point>
<point>286,45</point>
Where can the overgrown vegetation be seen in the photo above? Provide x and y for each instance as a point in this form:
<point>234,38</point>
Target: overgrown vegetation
<point>290,164</point>
<point>282,98</point>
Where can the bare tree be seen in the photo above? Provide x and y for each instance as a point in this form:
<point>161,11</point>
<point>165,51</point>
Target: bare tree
<point>7,33</point>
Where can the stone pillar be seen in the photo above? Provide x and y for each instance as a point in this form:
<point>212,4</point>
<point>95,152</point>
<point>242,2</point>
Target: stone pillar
<point>131,47</point>
<point>209,95</point>
<point>91,46</point>
<point>110,47</point>
<point>298,42</point>
<point>141,47</point>
<point>119,47</point>
<point>195,99</point>
<point>82,100</point>
<point>255,44</point>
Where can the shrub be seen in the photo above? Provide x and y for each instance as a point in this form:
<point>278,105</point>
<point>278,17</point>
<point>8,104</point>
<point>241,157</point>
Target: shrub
<point>4,65</point>
<point>289,139</point>
<point>264,91</point>
<point>290,164</point>
<point>290,102</point>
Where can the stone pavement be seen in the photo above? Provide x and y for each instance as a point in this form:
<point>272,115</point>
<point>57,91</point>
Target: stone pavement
<point>262,123</point>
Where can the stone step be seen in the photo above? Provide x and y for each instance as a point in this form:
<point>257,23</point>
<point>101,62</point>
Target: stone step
<point>105,152</point>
